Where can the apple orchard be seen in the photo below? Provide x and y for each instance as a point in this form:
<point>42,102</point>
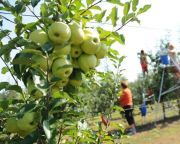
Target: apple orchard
<point>56,56</point>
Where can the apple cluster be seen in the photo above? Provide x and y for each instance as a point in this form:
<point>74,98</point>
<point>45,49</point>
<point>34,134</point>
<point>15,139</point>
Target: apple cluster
<point>23,126</point>
<point>75,50</point>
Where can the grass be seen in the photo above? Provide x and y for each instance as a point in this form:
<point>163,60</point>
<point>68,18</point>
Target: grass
<point>163,134</point>
<point>147,132</point>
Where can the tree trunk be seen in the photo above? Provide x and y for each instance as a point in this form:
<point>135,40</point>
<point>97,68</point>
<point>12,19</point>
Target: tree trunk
<point>178,105</point>
<point>178,101</point>
<point>164,110</point>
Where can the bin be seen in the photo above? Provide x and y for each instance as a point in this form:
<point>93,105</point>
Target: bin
<point>164,59</point>
<point>143,110</point>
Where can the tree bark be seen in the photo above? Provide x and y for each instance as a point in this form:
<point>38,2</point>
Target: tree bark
<point>164,110</point>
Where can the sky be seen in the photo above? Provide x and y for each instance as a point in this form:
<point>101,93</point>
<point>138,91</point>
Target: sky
<point>163,17</point>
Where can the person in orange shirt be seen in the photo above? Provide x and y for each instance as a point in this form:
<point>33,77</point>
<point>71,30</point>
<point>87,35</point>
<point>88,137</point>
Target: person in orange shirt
<point>126,102</point>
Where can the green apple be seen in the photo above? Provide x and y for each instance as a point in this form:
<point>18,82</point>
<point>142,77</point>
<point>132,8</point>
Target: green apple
<point>86,62</point>
<point>38,36</point>
<point>55,91</point>
<point>29,117</point>
<point>77,34</point>
<point>62,82</point>
<point>59,32</point>
<point>102,51</point>
<point>26,126</point>
<point>62,68</point>
<point>37,93</point>
<point>28,122</point>
<point>91,44</point>
<point>11,125</point>
<point>75,63</point>
<point>62,50</point>
<point>75,51</point>
<point>76,78</point>
<point>75,83</point>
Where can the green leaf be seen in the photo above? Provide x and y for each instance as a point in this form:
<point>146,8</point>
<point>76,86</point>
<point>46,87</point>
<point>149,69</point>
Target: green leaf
<point>103,33</point>
<point>134,4</point>
<point>4,49</point>
<point>126,8</point>
<point>1,110</point>
<point>34,2</point>
<point>118,37</point>
<point>114,16</point>
<point>4,33</point>
<point>3,85</point>
<point>63,8</point>
<point>144,9</point>
<point>64,2</point>
<point>136,19</point>
<point>96,8</point>
<point>121,59</point>
<point>19,69</point>
<point>108,138</point>
<point>126,18</point>
<point>19,29</point>
<point>113,55</point>
<point>99,17</point>
<point>118,2</point>
<point>4,70</point>
<point>20,7</point>
<point>44,9</point>
<point>113,51</point>
<point>89,2</point>
<point>32,51</point>
<point>22,61</point>
<point>46,128</point>
<point>47,47</point>
<point>30,26</point>
<point>30,139</point>
<point>15,88</point>
<point>65,96</point>
<point>78,4</point>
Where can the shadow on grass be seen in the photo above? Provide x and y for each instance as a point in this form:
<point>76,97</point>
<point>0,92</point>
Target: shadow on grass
<point>149,126</point>
<point>163,123</point>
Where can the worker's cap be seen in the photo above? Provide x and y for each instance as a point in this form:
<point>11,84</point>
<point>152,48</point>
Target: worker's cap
<point>124,83</point>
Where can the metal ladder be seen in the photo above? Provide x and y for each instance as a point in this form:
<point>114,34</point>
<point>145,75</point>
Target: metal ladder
<point>176,63</point>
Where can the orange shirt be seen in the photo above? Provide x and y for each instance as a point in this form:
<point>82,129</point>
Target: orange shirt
<point>126,98</point>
